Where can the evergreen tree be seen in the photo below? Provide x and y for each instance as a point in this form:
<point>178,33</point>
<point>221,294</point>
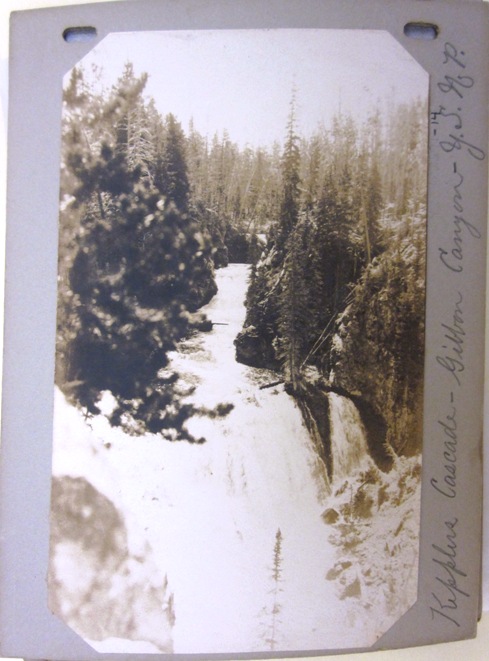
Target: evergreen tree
<point>198,163</point>
<point>290,197</point>
<point>272,611</point>
<point>133,139</point>
<point>171,177</point>
<point>294,310</point>
<point>312,175</point>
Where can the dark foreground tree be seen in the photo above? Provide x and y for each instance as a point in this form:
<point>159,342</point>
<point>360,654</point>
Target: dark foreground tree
<point>131,278</point>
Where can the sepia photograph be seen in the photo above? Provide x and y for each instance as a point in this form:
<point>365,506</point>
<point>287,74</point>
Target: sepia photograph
<point>238,399</point>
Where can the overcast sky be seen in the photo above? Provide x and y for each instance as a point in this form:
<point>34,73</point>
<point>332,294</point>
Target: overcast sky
<point>242,80</point>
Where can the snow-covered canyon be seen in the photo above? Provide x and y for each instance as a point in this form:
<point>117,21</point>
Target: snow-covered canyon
<point>202,520</point>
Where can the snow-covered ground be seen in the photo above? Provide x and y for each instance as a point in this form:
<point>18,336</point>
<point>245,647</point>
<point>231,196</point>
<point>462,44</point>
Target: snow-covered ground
<point>210,513</point>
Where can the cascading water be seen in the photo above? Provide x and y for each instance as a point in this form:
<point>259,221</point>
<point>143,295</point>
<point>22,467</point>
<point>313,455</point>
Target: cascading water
<point>349,449</point>
<point>208,515</point>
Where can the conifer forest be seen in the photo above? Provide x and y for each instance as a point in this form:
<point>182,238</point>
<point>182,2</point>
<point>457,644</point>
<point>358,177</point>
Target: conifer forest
<point>239,376</point>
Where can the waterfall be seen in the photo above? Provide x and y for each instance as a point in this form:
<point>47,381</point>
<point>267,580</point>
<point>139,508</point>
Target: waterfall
<point>349,449</point>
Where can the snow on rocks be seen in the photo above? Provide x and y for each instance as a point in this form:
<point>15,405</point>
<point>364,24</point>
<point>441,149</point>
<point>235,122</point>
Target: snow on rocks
<point>376,534</point>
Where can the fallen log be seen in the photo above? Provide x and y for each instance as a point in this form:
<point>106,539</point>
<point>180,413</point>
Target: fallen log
<point>270,385</point>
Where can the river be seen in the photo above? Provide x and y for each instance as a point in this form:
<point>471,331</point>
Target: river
<point>257,473</point>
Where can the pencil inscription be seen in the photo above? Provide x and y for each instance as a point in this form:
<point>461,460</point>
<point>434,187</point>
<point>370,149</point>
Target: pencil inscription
<point>453,253</point>
<point>447,485</point>
<point>456,84</point>
<point>453,131</point>
<point>449,577</point>
<point>452,356</point>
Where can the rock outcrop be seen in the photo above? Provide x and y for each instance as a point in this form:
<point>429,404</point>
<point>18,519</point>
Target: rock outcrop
<point>96,585</point>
